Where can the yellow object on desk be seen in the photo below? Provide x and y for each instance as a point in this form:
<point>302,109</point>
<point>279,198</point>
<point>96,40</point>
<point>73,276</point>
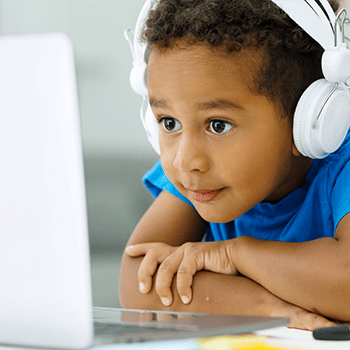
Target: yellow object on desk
<point>235,343</point>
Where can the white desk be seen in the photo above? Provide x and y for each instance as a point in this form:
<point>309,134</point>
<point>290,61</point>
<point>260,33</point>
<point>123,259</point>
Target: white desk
<point>297,339</point>
<point>278,338</point>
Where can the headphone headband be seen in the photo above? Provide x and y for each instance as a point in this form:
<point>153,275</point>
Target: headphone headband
<point>316,17</point>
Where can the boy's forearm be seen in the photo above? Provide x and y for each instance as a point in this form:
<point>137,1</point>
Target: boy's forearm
<point>212,293</point>
<point>219,294</point>
<point>308,274</point>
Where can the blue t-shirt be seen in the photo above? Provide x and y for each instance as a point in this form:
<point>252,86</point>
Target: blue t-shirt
<point>307,213</point>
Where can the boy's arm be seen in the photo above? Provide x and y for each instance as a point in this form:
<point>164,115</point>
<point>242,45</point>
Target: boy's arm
<point>314,275</point>
<point>171,221</point>
<point>168,220</point>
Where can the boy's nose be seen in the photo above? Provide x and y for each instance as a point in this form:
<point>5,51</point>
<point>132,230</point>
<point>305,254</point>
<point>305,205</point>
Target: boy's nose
<point>191,155</point>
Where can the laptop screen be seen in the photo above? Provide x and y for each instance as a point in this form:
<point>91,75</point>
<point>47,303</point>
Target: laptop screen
<point>45,296</point>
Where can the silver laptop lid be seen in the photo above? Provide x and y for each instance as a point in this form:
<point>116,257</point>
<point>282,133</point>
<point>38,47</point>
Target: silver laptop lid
<point>45,294</point>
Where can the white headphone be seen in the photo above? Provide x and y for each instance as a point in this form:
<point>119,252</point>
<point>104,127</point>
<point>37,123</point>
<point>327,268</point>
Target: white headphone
<point>138,76</point>
<point>322,116</point>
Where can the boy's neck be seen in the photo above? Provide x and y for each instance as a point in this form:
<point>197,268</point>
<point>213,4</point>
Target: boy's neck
<point>296,178</point>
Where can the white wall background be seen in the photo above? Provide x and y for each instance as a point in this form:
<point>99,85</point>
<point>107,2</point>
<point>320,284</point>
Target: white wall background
<point>109,108</point>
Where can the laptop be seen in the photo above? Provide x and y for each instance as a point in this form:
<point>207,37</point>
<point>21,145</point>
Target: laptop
<point>45,294</point>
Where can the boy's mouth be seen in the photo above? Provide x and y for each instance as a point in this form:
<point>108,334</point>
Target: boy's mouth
<point>205,195</point>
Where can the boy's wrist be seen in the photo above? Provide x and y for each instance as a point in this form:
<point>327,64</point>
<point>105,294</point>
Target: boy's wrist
<point>235,248</point>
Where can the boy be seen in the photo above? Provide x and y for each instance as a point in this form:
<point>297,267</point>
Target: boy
<point>223,79</point>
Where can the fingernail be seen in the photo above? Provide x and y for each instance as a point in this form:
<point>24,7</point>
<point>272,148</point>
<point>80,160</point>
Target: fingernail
<point>166,301</point>
<point>185,299</point>
<point>142,288</point>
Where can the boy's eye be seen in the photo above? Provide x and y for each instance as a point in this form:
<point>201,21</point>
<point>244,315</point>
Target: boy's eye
<point>220,126</point>
<point>171,124</point>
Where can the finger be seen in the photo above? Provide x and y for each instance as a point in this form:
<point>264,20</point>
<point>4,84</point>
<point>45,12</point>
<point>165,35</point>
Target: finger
<point>185,273</point>
<point>310,321</point>
<point>146,271</point>
<point>166,272</point>
<point>148,267</point>
<point>315,321</point>
<point>142,248</point>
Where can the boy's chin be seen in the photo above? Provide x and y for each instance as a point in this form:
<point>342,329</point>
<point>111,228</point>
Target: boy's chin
<point>214,216</point>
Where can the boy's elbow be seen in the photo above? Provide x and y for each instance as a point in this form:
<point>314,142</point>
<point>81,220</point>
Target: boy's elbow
<point>341,296</point>
<point>127,298</point>
<point>133,299</point>
<point>129,295</point>
<point>340,292</point>
<point>335,297</point>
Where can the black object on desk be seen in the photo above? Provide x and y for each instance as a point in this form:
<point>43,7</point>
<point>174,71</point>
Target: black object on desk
<point>341,332</point>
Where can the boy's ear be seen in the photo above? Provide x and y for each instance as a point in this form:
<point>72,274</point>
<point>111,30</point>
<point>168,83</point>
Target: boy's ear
<point>295,150</point>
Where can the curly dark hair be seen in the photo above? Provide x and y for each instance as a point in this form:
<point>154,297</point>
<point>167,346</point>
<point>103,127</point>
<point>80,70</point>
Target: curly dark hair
<point>292,60</point>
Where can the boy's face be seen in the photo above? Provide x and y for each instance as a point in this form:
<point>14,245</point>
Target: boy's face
<point>223,146</point>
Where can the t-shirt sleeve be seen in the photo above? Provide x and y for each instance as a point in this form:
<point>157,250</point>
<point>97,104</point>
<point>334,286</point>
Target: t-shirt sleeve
<point>341,195</point>
<point>156,181</point>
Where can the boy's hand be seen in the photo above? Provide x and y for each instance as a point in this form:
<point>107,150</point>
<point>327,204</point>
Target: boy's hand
<point>216,257</point>
<point>185,260</point>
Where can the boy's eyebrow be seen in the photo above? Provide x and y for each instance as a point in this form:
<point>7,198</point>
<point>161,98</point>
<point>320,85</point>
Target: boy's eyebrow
<point>157,103</point>
<point>219,104</point>
<point>215,104</point>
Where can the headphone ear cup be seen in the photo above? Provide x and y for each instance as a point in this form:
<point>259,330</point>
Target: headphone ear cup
<point>336,64</point>
<point>322,119</point>
<point>151,126</point>
<point>299,120</point>
<point>137,78</point>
